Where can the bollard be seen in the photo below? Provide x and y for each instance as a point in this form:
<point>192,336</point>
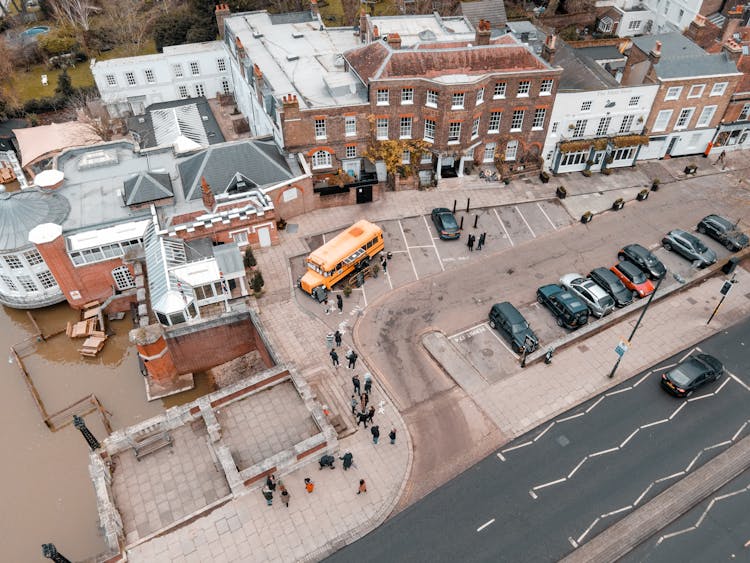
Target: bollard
<point>454,206</point>
<point>548,355</point>
<point>461,226</point>
<point>468,201</point>
<point>476,218</point>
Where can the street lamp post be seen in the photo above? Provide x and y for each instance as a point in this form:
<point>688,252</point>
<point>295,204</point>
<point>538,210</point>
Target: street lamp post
<point>724,292</point>
<point>79,423</point>
<point>643,312</point>
<point>50,552</point>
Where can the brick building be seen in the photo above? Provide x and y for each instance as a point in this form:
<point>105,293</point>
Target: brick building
<point>695,89</point>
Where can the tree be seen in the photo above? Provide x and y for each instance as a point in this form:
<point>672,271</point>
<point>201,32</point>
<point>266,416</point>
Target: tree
<point>351,11</point>
<point>98,122</point>
<point>257,282</point>
<point>64,86</point>
<point>77,13</point>
<point>391,152</point>
<point>134,19</point>
<point>250,261</point>
<point>173,28</point>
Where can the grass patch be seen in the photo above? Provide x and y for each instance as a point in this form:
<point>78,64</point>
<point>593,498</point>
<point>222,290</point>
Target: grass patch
<point>333,12</point>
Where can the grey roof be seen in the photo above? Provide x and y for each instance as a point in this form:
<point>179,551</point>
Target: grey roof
<point>581,73</point>
<point>680,57</point>
<point>22,211</point>
<point>257,162</point>
<point>291,17</point>
<point>490,10</point>
<point>143,125</point>
<point>147,186</point>
<point>228,258</point>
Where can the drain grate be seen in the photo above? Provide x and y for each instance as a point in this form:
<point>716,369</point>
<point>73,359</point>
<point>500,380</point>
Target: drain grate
<point>691,301</point>
<point>562,440</point>
<point>583,348</point>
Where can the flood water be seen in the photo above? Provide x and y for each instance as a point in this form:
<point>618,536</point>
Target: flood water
<point>45,490</point>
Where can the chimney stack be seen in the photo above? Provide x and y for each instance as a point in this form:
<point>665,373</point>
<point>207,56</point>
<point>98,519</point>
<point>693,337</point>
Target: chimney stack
<point>363,34</point>
<point>290,107</point>
<point>732,49</point>
<point>549,48</point>
<point>394,40</point>
<point>483,33</point>
<point>209,201</point>
<point>655,53</point>
<point>730,27</point>
<point>314,9</point>
<point>222,11</point>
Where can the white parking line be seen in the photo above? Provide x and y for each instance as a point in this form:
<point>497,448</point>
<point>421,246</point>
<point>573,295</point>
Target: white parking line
<point>547,216</point>
<point>483,526</point>
<point>406,242</point>
<point>429,232</point>
<point>501,341</point>
<point>585,533</point>
<point>525,221</point>
<point>503,226</point>
<point>452,336</point>
<point>388,276</point>
<point>738,380</point>
<point>506,450</point>
<point>500,456</point>
<point>545,485</point>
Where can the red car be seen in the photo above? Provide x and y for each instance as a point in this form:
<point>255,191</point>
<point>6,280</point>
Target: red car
<point>633,278</point>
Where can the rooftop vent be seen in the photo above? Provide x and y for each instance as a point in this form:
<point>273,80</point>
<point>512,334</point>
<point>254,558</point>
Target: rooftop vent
<point>257,34</point>
<point>204,117</point>
<point>297,34</point>
<point>141,120</point>
<point>292,57</point>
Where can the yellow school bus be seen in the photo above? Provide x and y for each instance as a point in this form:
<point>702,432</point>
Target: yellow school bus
<point>343,254</point>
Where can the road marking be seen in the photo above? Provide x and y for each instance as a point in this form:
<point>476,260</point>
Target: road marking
<point>738,380</point>
<point>543,432</point>
<point>609,451</point>
<point>668,477</point>
<point>533,495</point>
<point>688,354</point>
<point>738,432</point>
<point>678,409</point>
<point>571,417</point>
<point>525,221</point>
<point>506,450</point>
<point>623,509</point>
<point>501,341</point>
<point>618,391</point>
<point>629,437</point>
<point>642,379</point>
<point>720,387</point>
<point>388,276</point>
<point>423,246</point>
<point>662,421</point>
<point>364,295</point>
<point>643,494</point>
<point>500,456</point>
<point>547,216</point>
<point>452,336</point>
<point>673,534</point>
<point>585,533</point>
<point>720,444</point>
<point>599,400</point>
<point>403,234</point>
<point>503,226</point>
<point>577,467</point>
<point>545,485</point>
<point>433,243</point>
<point>573,542</point>
<point>483,526</point>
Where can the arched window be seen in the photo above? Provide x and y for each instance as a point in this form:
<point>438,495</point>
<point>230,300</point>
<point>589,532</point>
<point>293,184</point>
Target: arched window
<point>321,159</point>
<point>123,278</point>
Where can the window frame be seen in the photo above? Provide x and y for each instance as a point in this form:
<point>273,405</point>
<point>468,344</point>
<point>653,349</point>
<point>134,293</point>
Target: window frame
<point>405,126</point>
<point>407,96</point>
<point>130,79</point>
<point>537,123</point>
<point>545,89</point>
<point>381,124</point>
<point>480,97</point>
<point>350,120</point>
<point>319,128</point>
<point>350,151</point>
<point>668,113</point>
<point>721,85</point>
<point>701,89</point>
<point>454,132</point>
<point>523,90</point>
<point>382,97</point>
<point>511,155</point>
<point>688,112</point>
<point>431,125</point>
<point>319,162</point>
<point>431,95</point>
<point>521,115</point>
<point>500,90</point>
<point>493,116</point>
<point>195,69</point>
<point>702,121</point>
<point>673,93</point>
<point>458,100</point>
<point>475,127</point>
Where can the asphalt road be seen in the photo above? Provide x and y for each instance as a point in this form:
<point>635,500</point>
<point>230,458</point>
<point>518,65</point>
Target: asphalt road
<point>449,431</point>
<point>569,479</point>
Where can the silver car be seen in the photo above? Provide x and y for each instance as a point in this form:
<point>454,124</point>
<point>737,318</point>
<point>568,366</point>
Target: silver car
<point>598,301</point>
<point>689,246</point>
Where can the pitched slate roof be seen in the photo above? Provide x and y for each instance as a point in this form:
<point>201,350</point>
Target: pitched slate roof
<point>256,161</point>
<point>491,10</point>
<point>680,57</point>
<point>22,211</point>
<point>147,186</point>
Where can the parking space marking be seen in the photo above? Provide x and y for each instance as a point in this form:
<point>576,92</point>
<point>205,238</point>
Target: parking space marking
<point>599,400</point>
<point>571,417</point>
<point>388,276</point>
<point>501,341</point>
<point>503,226</point>
<point>633,433</point>
<point>483,526</point>
<point>585,533</point>
<point>500,456</point>
<point>406,242</point>
<point>738,380</point>
<point>506,450</point>
<point>543,432</point>
<point>545,485</point>
<point>429,232</point>
<point>547,216</point>
<point>525,221</point>
<point>678,409</point>
<point>452,336</point>
<point>577,467</point>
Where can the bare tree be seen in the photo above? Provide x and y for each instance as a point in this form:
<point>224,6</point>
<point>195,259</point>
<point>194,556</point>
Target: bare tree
<point>351,11</point>
<point>77,13</point>
<point>92,114</point>
<point>133,22</point>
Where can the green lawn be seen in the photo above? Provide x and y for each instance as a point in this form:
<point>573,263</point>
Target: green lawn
<point>333,8</point>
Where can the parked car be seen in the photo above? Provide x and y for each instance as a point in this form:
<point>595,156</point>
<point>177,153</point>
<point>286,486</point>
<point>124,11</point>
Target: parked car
<point>724,231</point>
<point>506,319</point>
<point>598,301</point>
<point>446,224</point>
<point>644,259</point>
<point>689,246</point>
<point>633,278</point>
<point>610,283</point>
<point>691,373</point>
<point>568,309</point>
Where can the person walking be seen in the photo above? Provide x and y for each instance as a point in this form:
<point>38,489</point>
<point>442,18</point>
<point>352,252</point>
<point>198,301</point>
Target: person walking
<point>364,399</point>
<point>340,303</point>
<point>352,357</point>
<point>392,435</point>
<point>370,414</point>
<point>362,418</point>
<point>368,385</point>
<point>348,459</point>
<point>268,495</point>
<point>337,336</point>
<point>481,241</point>
<point>309,485</point>
<point>271,482</point>
<point>384,263</point>
<point>375,431</point>
<point>355,402</point>
<point>284,495</point>
<point>362,487</point>
<point>356,383</point>
<point>335,358</point>
<point>326,306</point>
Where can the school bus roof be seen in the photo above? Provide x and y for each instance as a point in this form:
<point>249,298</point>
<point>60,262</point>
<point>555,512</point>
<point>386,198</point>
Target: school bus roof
<point>343,244</point>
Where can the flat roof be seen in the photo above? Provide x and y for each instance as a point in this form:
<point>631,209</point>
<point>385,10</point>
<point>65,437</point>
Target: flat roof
<point>98,237</point>
<point>198,273</point>
<point>416,28</point>
<point>171,50</point>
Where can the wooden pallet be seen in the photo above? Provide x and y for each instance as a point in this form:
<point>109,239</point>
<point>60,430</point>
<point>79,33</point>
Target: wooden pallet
<point>93,344</point>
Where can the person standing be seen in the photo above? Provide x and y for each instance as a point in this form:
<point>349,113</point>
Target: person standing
<point>472,238</point>
<point>384,263</point>
<point>364,399</point>
<point>370,414</point>
<point>340,303</point>
<point>268,495</point>
<point>326,306</point>
<point>348,460</point>
<point>392,435</point>
<point>375,431</point>
<point>335,358</point>
<point>271,482</point>
<point>362,418</point>
<point>355,402</point>
<point>309,485</point>
<point>368,385</point>
<point>481,241</point>
<point>352,357</point>
<point>337,336</point>
<point>284,495</point>
<point>355,382</point>
<point>362,487</point>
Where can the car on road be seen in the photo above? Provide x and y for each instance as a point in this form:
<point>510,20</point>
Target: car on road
<point>633,278</point>
<point>691,373</point>
<point>445,223</point>
<point>724,231</point>
<point>567,308</point>
<point>644,259</point>
<point>610,283</point>
<point>689,246</point>
<point>506,319</point>
<point>598,301</point>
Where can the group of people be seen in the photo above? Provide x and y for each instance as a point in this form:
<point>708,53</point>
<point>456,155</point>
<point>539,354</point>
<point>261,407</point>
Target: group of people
<point>271,485</point>
<point>351,355</point>
<point>479,242</point>
<point>339,305</point>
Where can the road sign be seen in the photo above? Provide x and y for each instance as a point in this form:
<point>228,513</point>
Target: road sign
<point>622,347</point>
<point>726,287</point>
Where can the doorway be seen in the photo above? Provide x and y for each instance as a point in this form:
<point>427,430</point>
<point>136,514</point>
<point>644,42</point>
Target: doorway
<point>364,194</point>
<point>264,237</point>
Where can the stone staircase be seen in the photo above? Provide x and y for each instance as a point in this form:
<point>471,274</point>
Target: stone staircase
<point>330,393</point>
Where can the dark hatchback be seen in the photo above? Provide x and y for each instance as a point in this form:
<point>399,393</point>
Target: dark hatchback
<point>445,223</point>
<point>644,259</point>
<point>505,318</point>
<point>724,231</point>
<point>690,374</point>
<point>610,283</point>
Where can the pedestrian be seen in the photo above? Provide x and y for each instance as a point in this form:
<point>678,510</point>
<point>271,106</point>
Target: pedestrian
<point>721,158</point>
<point>309,485</point>
<point>326,306</point>
<point>355,402</point>
<point>392,435</point>
<point>375,431</point>
<point>364,399</point>
<point>348,460</point>
<point>271,482</point>
<point>384,263</point>
<point>326,461</point>
<point>268,495</point>
<point>370,414</point>
<point>482,238</point>
<point>362,418</point>
<point>362,487</point>
<point>340,303</point>
<point>352,357</point>
<point>355,382</point>
<point>335,358</point>
<point>284,495</point>
<point>368,386</point>
<point>472,238</point>
<point>337,336</point>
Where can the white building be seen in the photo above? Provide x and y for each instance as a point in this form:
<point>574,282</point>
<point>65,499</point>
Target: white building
<point>129,84</point>
<point>595,122</point>
<point>639,17</point>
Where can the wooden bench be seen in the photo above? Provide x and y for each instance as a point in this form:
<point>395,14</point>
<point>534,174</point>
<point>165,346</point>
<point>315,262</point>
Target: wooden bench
<point>151,443</point>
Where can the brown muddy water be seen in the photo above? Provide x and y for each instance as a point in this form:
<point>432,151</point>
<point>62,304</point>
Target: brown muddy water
<point>45,491</point>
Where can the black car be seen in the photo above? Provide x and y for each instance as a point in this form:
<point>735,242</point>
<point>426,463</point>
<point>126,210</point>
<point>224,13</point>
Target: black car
<point>610,283</point>
<point>505,318</point>
<point>690,374</point>
<point>724,231</point>
<point>644,259</point>
<point>568,309</point>
<point>689,246</point>
<point>446,224</point>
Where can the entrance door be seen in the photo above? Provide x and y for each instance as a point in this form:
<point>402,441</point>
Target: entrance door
<point>264,236</point>
<point>672,143</point>
<point>364,194</point>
